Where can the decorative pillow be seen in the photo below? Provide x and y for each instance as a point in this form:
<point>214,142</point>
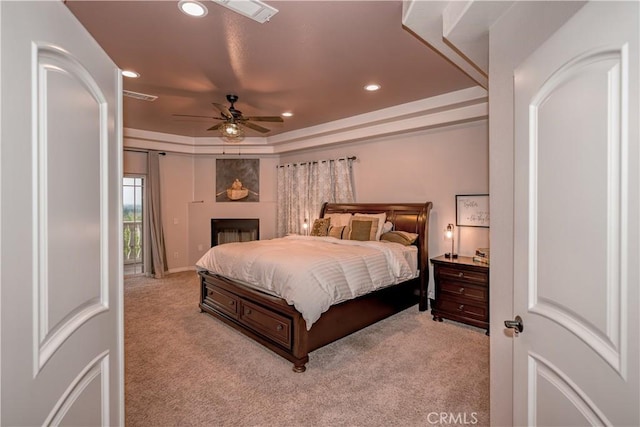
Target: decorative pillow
<point>402,237</point>
<point>338,219</point>
<point>321,227</point>
<point>338,232</point>
<point>363,229</point>
<point>382,217</point>
<point>387,227</point>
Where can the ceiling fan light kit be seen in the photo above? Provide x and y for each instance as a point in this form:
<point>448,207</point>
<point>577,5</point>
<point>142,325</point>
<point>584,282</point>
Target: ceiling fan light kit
<point>231,131</point>
<point>254,9</point>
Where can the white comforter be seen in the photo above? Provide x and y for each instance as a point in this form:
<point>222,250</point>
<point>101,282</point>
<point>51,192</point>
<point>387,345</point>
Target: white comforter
<point>312,273</point>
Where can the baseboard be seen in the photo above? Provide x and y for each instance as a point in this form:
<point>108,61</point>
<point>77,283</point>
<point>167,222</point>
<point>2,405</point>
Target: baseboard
<point>181,269</point>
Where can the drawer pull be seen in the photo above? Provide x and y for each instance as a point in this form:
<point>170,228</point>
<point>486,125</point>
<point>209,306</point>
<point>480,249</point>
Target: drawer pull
<point>247,311</point>
<point>461,290</point>
<point>461,274</point>
<point>232,302</point>
<point>209,292</point>
<point>461,307</point>
<point>279,327</point>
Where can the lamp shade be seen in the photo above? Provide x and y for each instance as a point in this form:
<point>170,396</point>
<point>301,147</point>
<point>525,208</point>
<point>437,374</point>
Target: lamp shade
<point>449,232</point>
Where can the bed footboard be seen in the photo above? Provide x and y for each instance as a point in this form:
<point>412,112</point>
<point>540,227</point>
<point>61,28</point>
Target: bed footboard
<point>262,317</point>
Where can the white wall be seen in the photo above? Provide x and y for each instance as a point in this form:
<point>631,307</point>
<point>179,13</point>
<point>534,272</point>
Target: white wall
<point>134,163</point>
<point>432,165</point>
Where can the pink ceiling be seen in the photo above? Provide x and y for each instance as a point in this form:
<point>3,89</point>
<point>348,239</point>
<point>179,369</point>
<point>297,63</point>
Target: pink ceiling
<point>313,58</point>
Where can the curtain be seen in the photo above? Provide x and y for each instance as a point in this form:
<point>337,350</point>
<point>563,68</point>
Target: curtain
<point>157,250</point>
<point>304,187</point>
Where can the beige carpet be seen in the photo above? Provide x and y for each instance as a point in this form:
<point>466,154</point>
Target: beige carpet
<point>184,368</point>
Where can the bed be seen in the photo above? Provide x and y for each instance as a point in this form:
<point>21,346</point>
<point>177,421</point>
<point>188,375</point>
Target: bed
<point>273,322</point>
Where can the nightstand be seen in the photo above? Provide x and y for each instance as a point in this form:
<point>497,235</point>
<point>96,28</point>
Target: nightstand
<point>462,291</point>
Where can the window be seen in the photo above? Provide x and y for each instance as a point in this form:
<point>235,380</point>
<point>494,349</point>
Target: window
<point>132,224</point>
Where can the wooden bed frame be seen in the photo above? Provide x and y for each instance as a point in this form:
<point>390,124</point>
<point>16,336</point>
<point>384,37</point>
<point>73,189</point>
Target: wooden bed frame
<point>280,327</point>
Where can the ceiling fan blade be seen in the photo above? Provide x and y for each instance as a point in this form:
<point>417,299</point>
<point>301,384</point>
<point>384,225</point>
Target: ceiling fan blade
<point>216,127</point>
<point>200,117</point>
<point>275,119</point>
<point>255,127</point>
<point>224,110</point>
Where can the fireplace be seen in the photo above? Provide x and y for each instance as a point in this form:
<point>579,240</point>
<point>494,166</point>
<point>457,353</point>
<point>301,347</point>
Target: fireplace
<point>228,230</point>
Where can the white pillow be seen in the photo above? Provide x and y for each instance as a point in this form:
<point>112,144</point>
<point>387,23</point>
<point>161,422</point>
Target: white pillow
<point>382,217</point>
<point>387,227</point>
<point>339,219</point>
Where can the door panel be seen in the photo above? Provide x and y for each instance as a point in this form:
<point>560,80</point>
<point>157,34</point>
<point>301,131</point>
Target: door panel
<point>576,286</point>
<point>557,400</point>
<point>575,148</point>
<point>61,312</point>
<point>69,223</point>
<point>79,404</point>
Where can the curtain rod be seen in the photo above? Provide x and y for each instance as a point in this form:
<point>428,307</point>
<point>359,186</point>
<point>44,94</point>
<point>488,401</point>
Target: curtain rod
<point>133,150</point>
<point>314,162</point>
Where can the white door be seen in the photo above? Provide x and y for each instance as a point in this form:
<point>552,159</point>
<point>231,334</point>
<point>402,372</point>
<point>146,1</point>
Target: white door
<point>61,309</point>
<point>576,223</point>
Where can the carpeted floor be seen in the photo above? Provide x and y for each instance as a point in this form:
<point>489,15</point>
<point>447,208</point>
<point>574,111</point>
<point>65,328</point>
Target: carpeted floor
<point>184,368</point>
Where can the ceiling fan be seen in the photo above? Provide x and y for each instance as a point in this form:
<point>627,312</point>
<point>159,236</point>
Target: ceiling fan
<point>232,119</point>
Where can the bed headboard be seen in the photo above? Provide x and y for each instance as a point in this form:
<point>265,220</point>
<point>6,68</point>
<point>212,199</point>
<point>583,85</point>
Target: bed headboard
<point>411,217</point>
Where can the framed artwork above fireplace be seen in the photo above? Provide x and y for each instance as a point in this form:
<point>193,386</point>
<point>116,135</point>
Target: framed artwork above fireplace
<point>237,180</point>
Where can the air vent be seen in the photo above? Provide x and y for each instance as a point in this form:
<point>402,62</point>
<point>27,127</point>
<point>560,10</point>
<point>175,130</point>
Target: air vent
<point>254,9</point>
<point>138,95</point>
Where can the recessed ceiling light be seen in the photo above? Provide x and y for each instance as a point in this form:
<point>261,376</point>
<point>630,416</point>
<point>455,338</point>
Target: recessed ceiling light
<point>287,114</point>
<point>192,8</point>
<point>372,87</point>
<point>130,74</point>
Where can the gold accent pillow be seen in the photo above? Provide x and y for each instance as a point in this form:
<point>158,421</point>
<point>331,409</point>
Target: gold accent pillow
<point>321,227</point>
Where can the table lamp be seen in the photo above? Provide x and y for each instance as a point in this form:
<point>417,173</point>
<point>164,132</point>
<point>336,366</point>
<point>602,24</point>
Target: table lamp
<point>449,235</point>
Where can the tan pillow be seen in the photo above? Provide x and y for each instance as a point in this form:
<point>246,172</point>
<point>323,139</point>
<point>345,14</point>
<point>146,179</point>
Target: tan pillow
<point>402,237</point>
<point>363,229</point>
<point>321,227</point>
<point>339,219</point>
<point>337,232</point>
<point>382,217</point>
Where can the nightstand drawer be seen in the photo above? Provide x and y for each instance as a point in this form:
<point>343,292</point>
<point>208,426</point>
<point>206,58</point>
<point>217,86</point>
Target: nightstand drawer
<point>458,274</point>
<point>465,290</point>
<point>464,309</point>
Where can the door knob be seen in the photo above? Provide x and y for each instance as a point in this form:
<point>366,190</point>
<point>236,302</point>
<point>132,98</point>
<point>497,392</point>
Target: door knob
<point>515,324</point>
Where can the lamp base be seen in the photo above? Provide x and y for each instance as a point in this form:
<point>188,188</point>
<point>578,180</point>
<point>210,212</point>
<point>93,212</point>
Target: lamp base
<point>451,256</point>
